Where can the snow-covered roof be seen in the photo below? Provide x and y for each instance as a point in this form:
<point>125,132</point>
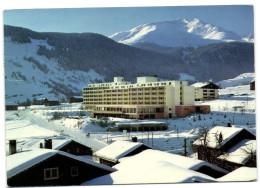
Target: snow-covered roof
<point>157,172</point>
<point>19,162</point>
<point>138,122</point>
<point>57,143</point>
<point>77,97</point>
<point>178,160</point>
<point>144,168</point>
<point>240,153</point>
<point>227,134</point>
<point>240,174</point>
<point>200,84</point>
<point>117,150</point>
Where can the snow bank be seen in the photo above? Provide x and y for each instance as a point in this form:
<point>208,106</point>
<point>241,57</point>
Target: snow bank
<point>240,174</point>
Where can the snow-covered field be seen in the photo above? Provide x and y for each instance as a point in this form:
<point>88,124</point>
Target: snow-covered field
<point>36,121</point>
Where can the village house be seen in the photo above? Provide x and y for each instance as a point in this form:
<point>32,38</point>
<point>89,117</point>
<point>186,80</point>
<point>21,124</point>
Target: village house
<point>111,154</point>
<point>75,99</point>
<point>153,166</point>
<point>241,154</point>
<point>197,165</point>
<point>51,102</point>
<point>252,85</point>
<point>11,106</point>
<point>58,143</point>
<point>221,141</point>
<point>205,91</point>
<point>146,99</point>
<point>45,167</point>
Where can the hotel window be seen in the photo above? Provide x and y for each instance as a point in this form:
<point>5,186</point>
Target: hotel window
<point>74,171</point>
<point>51,173</point>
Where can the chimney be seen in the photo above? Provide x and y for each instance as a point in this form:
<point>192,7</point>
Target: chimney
<point>134,139</point>
<point>48,143</point>
<point>229,125</point>
<point>12,147</point>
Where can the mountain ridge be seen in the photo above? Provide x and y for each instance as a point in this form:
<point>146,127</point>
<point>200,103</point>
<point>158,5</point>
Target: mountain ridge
<point>176,33</point>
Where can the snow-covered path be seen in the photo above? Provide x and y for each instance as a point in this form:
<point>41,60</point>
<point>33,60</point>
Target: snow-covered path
<point>47,128</point>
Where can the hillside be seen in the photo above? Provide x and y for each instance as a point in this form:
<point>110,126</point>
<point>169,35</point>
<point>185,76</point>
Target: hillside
<point>61,64</point>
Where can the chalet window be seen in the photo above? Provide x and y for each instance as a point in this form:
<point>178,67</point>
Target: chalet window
<point>74,171</point>
<point>77,150</point>
<point>51,173</point>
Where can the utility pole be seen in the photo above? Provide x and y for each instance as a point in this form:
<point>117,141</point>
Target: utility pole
<point>107,136</point>
<point>152,139</point>
<point>185,147</point>
<point>148,139</point>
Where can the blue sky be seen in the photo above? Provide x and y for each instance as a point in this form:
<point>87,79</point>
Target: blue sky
<point>108,21</point>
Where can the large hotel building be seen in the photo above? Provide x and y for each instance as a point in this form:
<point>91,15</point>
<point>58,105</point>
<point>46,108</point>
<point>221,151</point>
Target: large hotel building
<point>146,99</point>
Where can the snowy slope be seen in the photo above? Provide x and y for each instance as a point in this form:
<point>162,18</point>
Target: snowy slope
<point>176,33</point>
<point>242,79</point>
<point>249,38</point>
<point>29,75</point>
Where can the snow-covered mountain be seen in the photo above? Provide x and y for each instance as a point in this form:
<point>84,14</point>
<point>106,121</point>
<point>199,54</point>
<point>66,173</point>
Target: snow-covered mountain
<point>249,38</point>
<point>177,33</point>
<point>29,75</point>
<point>61,64</point>
<point>242,79</point>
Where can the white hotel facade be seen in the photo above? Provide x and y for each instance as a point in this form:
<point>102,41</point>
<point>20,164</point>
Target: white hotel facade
<point>146,99</point>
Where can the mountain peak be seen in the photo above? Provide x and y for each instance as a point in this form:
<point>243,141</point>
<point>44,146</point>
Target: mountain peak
<point>176,33</point>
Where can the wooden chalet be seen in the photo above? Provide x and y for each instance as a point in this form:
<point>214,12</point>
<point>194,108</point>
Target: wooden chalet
<point>61,144</point>
<point>241,154</point>
<point>252,85</point>
<point>44,167</point>
<point>75,99</point>
<point>206,91</point>
<point>11,107</point>
<point>111,154</point>
<point>218,141</point>
<point>53,102</point>
<point>174,159</point>
<point>153,166</point>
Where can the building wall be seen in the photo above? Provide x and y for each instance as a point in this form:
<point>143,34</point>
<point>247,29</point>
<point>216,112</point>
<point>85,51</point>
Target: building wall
<point>145,92</point>
<point>76,149</point>
<point>34,176</point>
<point>182,111</point>
<point>202,94</point>
<point>188,95</point>
<point>11,107</point>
